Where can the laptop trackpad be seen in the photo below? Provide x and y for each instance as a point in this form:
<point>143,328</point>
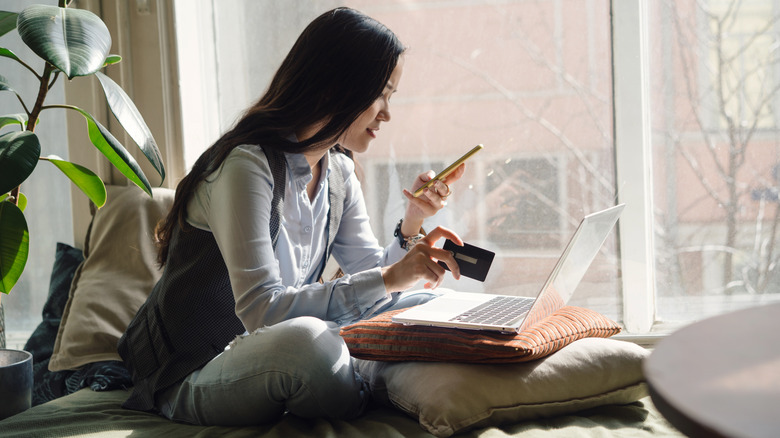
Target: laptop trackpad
<point>443,308</point>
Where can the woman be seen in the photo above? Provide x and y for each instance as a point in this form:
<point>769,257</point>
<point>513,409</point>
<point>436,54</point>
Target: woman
<point>250,230</point>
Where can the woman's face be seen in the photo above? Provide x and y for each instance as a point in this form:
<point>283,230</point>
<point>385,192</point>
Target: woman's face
<point>365,128</point>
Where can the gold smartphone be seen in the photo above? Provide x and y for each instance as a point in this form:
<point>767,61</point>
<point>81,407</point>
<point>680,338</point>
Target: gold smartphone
<point>444,173</point>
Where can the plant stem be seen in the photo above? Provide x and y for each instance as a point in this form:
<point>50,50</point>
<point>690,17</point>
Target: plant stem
<point>54,79</point>
<point>15,195</point>
<point>43,90</point>
<point>19,98</point>
<point>32,117</point>
<point>72,107</point>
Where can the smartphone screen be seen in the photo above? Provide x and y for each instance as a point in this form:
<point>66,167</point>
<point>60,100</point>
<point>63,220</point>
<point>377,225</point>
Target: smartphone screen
<point>444,173</point>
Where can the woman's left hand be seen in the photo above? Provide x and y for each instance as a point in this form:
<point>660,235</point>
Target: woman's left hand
<point>433,198</point>
<point>421,263</point>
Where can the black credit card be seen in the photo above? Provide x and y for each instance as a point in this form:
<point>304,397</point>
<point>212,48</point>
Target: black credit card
<point>474,262</point>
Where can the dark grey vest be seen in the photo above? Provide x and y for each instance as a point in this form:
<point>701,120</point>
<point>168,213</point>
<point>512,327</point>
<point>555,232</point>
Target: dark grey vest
<point>190,316</point>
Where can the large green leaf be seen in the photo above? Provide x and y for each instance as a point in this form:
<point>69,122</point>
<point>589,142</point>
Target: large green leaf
<point>7,22</point>
<point>19,153</point>
<point>75,41</point>
<point>83,178</point>
<point>14,245</point>
<point>109,146</point>
<point>128,115</point>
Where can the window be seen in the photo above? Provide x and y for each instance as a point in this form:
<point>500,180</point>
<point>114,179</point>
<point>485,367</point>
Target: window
<point>530,195</point>
<point>716,152</point>
<point>740,45</point>
<point>529,80</point>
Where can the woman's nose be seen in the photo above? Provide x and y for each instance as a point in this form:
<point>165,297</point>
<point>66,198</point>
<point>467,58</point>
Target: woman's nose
<point>384,113</point>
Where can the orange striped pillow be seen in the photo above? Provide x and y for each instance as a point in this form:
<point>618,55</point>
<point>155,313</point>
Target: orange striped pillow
<point>379,338</point>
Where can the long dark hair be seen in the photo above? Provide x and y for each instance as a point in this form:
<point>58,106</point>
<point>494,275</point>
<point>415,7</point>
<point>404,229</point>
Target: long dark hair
<point>337,68</point>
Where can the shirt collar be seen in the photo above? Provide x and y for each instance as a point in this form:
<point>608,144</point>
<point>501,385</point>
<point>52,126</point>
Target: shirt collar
<point>299,167</point>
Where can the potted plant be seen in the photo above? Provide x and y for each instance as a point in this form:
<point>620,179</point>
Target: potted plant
<point>72,43</point>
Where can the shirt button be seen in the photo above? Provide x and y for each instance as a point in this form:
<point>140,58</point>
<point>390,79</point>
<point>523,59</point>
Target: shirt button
<point>307,229</point>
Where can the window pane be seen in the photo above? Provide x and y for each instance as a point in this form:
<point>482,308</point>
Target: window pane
<point>531,80</point>
<point>715,94</point>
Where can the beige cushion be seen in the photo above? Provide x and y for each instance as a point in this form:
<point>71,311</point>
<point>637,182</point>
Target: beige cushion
<point>447,398</point>
<point>118,273</point>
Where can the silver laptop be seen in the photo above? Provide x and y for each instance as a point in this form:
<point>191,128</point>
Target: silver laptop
<point>513,314</point>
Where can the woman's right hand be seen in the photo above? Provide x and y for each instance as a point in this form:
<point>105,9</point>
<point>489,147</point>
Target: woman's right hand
<point>420,263</point>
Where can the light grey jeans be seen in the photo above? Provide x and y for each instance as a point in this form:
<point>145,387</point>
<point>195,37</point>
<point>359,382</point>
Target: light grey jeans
<point>301,366</point>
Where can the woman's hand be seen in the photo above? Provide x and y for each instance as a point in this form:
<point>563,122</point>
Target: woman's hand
<point>420,263</point>
<point>432,199</point>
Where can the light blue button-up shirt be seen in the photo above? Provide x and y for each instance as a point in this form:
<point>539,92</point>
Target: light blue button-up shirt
<point>270,285</point>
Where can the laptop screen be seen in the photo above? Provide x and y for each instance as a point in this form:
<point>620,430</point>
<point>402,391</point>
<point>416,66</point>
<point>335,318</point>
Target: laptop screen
<point>573,263</point>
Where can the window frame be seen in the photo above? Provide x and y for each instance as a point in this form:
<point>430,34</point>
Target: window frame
<point>633,162</point>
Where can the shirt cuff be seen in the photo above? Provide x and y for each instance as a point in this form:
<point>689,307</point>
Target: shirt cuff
<point>370,294</point>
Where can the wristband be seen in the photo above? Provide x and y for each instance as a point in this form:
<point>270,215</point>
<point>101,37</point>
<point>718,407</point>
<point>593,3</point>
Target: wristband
<point>407,242</point>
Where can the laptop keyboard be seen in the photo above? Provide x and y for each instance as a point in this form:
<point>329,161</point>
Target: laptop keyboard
<point>496,311</point>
